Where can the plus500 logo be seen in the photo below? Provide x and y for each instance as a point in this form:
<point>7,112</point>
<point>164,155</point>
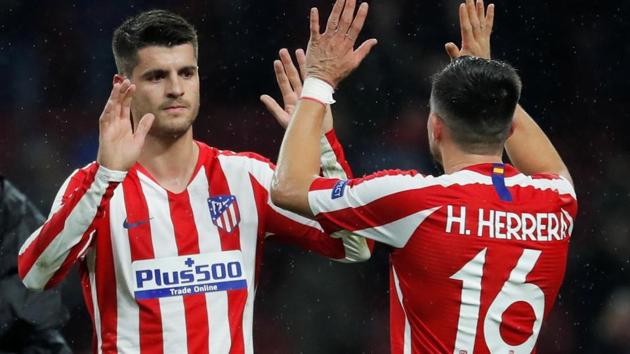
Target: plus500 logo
<point>193,275</point>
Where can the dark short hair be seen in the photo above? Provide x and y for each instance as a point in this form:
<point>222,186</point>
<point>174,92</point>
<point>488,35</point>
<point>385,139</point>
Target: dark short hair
<point>476,99</point>
<point>150,28</point>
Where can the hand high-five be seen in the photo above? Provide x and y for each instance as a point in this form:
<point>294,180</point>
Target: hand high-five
<point>119,147</point>
<point>330,55</point>
<point>289,80</point>
<point>476,28</point>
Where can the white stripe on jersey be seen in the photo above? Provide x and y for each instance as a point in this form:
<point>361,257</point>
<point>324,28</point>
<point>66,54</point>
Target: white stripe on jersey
<point>90,261</point>
<point>328,160</point>
<point>373,189</point>
<point>164,245</point>
<point>51,259</point>
<point>407,333</point>
<point>397,233</point>
<point>128,321</point>
<point>216,302</point>
<point>240,186</point>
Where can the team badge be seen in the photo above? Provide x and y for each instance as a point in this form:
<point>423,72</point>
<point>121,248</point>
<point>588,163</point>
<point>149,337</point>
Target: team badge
<point>224,212</point>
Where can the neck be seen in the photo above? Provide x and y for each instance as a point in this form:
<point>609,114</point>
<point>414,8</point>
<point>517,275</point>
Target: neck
<point>453,159</point>
<point>170,161</point>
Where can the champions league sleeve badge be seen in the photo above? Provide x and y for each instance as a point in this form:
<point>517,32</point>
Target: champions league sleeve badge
<point>224,212</point>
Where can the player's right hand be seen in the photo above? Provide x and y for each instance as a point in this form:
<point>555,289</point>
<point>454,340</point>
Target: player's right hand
<point>330,56</point>
<point>475,23</point>
<point>119,147</point>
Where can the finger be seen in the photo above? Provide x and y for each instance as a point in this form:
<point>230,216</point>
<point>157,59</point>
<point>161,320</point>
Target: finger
<point>314,23</point>
<point>143,128</point>
<point>480,13</point>
<point>275,109</point>
<point>472,15</point>
<point>333,19</point>
<point>465,26</point>
<point>347,16</point>
<point>359,21</point>
<point>283,80</point>
<point>363,50</point>
<point>301,59</point>
<point>291,70</point>
<point>125,112</point>
<point>109,105</point>
<point>452,50</point>
<point>489,19</point>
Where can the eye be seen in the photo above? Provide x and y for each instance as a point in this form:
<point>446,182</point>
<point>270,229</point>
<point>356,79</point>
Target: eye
<point>188,73</point>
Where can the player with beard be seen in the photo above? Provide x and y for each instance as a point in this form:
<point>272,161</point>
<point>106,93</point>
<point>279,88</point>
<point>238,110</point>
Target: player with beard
<point>478,253</point>
<point>167,231</point>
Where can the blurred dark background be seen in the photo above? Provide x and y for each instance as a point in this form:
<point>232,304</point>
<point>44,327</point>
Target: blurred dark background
<point>56,68</point>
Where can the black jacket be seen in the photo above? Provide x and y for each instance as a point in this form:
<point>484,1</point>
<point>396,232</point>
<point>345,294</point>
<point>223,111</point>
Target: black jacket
<point>29,321</point>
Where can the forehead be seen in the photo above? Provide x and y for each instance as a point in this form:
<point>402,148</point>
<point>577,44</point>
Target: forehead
<point>165,58</point>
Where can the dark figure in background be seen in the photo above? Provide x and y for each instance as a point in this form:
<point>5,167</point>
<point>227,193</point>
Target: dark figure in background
<point>29,321</point>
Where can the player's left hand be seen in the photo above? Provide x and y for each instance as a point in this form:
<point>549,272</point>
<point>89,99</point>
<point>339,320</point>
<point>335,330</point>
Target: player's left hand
<point>289,80</point>
<point>475,23</point>
<point>330,55</point>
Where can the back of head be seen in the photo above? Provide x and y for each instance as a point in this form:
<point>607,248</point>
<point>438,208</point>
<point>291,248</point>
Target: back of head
<point>150,28</point>
<point>476,99</point>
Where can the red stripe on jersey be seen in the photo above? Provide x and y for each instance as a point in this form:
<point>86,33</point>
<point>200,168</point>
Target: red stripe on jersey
<point>331,136</point>
<point>141,247</point>
<point>261,196</point>
<point>76,189</point>
<point>323,183</point>
<point>229,241</point>
<point>187,239</point>
<point>105,279</point>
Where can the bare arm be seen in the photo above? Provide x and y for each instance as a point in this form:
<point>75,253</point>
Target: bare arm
<point>530,150</point>
<point>330,57</point>
<point>528,147</point>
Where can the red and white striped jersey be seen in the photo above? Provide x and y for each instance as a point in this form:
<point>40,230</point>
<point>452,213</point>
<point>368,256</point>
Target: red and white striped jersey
<point>478,255</point>
<point>167,272</point>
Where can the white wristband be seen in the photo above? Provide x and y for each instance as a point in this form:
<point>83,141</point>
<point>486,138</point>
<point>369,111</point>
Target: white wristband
<point>318,90</point>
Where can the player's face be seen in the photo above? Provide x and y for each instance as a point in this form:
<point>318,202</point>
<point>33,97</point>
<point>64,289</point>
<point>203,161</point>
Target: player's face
<point>167,85</point>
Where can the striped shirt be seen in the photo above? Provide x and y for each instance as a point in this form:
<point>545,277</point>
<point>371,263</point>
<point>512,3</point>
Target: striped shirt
<point>478,256</point>
<point>166,272</point>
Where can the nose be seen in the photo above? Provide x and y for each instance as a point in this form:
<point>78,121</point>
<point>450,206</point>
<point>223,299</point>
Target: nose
<point>175,88</point>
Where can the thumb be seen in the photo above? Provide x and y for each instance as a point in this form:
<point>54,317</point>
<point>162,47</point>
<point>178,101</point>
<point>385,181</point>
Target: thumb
<point>452,50</point>
<point>363,50</point>
<point>143,128</point>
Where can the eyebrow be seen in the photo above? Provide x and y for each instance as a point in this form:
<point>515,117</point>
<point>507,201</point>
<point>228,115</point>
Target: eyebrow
<point>156,72</point>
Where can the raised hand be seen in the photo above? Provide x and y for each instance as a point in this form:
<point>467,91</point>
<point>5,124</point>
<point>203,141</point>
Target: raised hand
<point>289,80</point>
<point>330,56</point>
<point>475,23</point>
<point>119,147</point>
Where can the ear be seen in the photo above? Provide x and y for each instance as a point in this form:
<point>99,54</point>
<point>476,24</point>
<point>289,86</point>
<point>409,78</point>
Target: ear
<point>118,79</point>
<point>512,127</point>
<point>436,127</point>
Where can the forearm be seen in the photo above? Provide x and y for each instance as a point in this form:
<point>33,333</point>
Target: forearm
<point>298,162</point>
<point>530,150</point>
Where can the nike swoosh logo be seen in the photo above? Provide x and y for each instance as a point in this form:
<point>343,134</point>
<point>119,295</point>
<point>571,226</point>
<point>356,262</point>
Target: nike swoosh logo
<point>128,225</point>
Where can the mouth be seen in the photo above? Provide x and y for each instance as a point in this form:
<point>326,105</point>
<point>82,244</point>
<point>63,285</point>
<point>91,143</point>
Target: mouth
<point>176,109</point>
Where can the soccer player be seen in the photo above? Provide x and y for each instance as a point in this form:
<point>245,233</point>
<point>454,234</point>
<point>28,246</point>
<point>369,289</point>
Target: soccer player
<point>167,231</point>
<point>478,253</point>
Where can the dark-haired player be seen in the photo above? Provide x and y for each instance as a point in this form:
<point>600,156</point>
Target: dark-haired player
<point>478,253</point>
<point>168,231</point>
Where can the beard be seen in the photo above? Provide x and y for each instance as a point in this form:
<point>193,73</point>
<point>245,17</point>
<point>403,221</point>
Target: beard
<point>437,159</point>
<point>167,126</point>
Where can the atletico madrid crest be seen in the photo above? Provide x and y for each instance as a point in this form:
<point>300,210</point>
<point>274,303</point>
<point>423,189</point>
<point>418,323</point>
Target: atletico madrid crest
<point>224,212</point>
